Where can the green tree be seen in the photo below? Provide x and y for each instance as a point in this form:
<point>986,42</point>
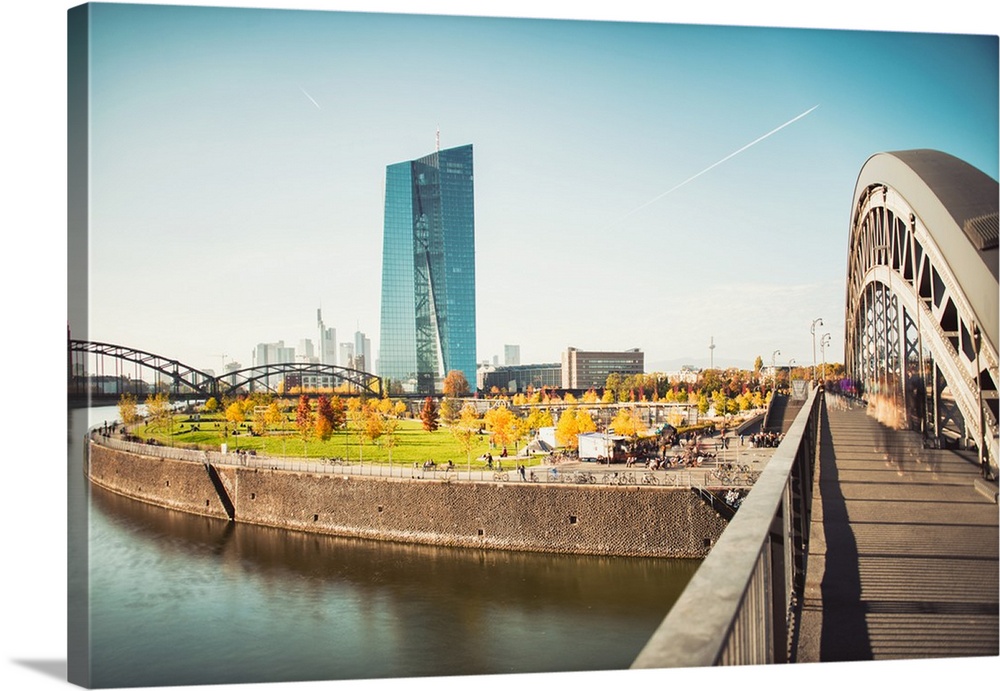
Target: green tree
<point>703,403</point>
<point>613,384</point>
<point>449,410</point>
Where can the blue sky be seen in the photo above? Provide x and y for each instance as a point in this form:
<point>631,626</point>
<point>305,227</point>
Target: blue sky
<point>238,159</point>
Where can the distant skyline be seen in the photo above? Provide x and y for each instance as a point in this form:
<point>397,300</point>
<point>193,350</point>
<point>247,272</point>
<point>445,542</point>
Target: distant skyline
<point>637,184</point>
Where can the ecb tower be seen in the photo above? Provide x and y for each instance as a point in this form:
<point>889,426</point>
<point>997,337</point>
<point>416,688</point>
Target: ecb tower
<point>428,319</point>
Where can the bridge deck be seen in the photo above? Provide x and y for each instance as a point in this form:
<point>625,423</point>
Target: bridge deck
<point>903,558</point>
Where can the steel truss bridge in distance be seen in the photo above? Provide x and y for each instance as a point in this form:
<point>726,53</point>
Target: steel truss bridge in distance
<point>98,371</point>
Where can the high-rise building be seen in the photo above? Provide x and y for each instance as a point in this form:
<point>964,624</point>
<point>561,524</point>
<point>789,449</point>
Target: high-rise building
<point>347,355</point>
<point>327,341</point>
<point>362,352</point>
<point>428,319</point>
<point>512,355</point>
<point>305,352</point>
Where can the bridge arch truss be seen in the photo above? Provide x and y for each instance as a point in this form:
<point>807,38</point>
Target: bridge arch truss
<point>281,377</point>
<point>87,360</point>
<point>88,371</point>
<point>922,297</point>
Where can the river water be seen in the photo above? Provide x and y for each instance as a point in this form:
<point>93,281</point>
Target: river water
<point>178,599</point>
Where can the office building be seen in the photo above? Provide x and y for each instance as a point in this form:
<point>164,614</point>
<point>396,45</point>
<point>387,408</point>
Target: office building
<point>583,369</point>
<point>428,315</point>
<point>327,341</point>
<point>512,355</point>
<point>362,352</point>
<point>519,378</point>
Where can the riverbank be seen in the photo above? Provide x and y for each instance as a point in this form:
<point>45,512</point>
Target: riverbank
<point>621,520</point>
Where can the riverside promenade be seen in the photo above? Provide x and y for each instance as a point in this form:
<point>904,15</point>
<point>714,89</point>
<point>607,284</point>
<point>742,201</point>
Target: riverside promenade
<point>903,554</point>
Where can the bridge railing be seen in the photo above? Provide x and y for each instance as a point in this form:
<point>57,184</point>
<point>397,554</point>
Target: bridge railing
<point>739,607</point>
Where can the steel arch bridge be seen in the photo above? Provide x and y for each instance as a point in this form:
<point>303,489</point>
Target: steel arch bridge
<point>922,297</point>
<point>188,381</point>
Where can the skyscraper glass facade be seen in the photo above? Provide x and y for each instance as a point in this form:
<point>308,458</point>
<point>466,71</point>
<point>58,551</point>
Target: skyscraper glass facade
<point>428,320</point>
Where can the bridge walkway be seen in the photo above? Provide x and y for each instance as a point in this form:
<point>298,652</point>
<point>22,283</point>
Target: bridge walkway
<point>903,553</point>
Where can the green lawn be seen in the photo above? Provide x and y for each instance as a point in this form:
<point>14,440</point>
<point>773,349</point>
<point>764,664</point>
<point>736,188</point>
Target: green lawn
<point>413,444</point>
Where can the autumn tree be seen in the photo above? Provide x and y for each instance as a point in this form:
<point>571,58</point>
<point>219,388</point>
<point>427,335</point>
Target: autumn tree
<point>372,427</point>
<point>505,427</point>
<point>304,419</point>
<point>429,415</point>
<point>234,415</point>
<point>355,416</point>
<point>128,409</point>
<point>260,423</point>
<point>466,430</point>
<point>537,419</point>
<point>158,410</point>
<point>449,410</point>
<point>391,412</point>
<point>627,423</point>
<point>455,384</point>
<point>338,414</point>
<point>273,416</point>
<point>571,423</point>
<point>324,418</point>
<point>211,405</point>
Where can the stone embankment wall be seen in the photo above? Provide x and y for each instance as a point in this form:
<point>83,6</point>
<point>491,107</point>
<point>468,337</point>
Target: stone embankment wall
<point>523,516</point>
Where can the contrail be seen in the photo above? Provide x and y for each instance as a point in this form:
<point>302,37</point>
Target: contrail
<point>719,162</point>
<point>310,98</point>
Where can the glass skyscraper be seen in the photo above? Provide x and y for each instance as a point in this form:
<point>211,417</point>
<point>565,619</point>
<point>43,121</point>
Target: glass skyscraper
<point>428,321</point>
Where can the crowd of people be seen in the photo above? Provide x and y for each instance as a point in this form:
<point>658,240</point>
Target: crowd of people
<point>766,440</point>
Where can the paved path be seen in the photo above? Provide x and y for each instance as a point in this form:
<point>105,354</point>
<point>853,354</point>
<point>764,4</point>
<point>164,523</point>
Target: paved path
<point>903,558</point>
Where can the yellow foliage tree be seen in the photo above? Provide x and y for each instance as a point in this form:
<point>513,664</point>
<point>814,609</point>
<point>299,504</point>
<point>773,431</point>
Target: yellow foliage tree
<point>627,423</point>
<point>505,427</point>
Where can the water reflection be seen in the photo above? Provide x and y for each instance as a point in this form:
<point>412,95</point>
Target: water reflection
<point>183,599</point>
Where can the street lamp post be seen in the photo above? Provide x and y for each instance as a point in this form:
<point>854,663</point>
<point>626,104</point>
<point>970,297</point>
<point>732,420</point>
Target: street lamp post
<point>823,343</point>
<point>790,363</point>
<point>812,330</point>
<point>774,371</point>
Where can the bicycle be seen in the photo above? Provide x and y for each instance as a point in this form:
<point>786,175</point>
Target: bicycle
<point>650,479</point>
<point>500,476</point>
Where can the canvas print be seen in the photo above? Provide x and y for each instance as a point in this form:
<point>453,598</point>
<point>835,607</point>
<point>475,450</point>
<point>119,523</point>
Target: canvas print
<point>408,346</point>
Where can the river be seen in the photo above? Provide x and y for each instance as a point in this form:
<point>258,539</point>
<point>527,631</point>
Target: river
<point>178,599</point>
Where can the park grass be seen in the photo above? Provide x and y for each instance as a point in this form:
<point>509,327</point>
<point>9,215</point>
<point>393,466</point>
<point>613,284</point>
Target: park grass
<point>413,443</point>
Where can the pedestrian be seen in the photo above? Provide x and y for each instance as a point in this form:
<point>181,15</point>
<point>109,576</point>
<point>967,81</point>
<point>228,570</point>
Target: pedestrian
<point>520,471</point>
